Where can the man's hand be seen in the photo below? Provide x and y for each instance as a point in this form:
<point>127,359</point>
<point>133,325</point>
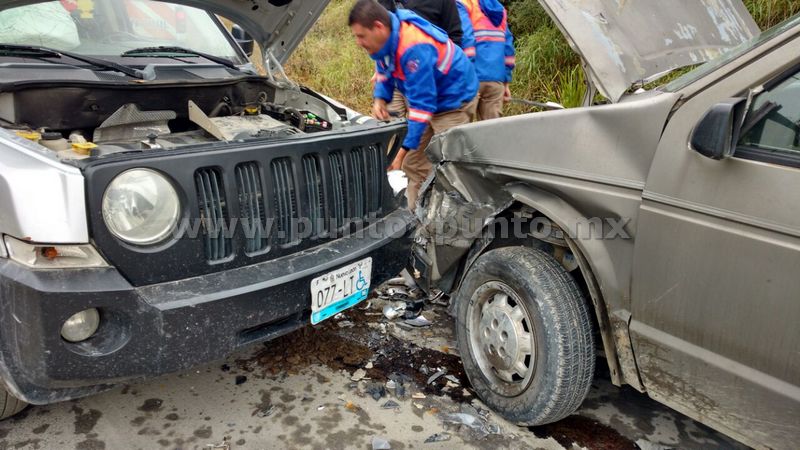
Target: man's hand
<point>379,110</point>
<point>397,164</point>
<point>506,93</point>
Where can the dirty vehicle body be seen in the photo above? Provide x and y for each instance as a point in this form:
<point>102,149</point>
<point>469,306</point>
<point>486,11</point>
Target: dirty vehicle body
<point>663,224</point>
<point>197,205</point>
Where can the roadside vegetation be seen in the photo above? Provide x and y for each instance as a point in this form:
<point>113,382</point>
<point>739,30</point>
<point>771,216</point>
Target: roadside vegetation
<point>547,69</point>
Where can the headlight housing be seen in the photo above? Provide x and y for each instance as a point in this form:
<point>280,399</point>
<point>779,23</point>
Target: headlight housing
<point>141,207</point>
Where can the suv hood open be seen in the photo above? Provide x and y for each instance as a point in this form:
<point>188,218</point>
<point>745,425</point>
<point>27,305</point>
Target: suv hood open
<point>277,25</point>
<point>624,42</point>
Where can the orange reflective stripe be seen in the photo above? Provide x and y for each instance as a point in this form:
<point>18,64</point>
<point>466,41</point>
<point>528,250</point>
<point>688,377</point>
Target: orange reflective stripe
<point>410,36</point>
<point>469,51</point>
<point>481,23</point>
<point>489,39</point>
<point>511,60</point>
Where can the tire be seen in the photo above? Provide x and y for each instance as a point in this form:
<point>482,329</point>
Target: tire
<point>523,295</point>
<point>9,405</point>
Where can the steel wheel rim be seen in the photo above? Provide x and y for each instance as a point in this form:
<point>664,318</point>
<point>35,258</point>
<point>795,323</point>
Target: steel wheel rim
<point>501,338</point>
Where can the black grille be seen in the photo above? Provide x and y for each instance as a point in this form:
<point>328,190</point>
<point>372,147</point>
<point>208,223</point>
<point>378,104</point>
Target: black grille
<point>252,213</point>
<point>213,214</point>
<point>339,189</point>
<point>315,194</point>
<point>353,191</point>
<point>285,202</point>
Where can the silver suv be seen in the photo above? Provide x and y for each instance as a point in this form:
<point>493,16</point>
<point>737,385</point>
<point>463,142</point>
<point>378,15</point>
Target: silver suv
<point>162,203</point>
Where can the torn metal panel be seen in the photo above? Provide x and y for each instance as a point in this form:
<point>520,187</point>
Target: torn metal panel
<point>457,206</point>
<point>624,42</point>
<point>620,320</point>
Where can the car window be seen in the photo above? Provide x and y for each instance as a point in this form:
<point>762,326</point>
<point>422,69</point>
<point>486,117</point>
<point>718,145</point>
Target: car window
<point>111,27</point>
<point>772,126</point>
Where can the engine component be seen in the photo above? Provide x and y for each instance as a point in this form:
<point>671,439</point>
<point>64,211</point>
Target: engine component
<point>54,141</point>
<point>240,127</point>
<point>131,123</point>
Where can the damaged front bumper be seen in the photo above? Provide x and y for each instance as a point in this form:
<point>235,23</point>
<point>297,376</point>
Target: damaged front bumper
<point>166,327</point>
<point>455,210</point>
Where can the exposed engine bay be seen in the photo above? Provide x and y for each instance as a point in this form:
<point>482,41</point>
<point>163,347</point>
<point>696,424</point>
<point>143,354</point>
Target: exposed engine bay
<point>78,121</point>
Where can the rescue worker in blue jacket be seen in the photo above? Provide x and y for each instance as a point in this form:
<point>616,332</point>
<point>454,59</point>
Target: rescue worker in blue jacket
<point>488,41</point>
<point>437,79</point>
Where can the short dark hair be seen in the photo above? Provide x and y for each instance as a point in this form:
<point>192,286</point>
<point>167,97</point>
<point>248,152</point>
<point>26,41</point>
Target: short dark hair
<point>366,13</point>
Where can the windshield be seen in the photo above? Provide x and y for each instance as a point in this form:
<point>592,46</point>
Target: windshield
<point>112,27</point>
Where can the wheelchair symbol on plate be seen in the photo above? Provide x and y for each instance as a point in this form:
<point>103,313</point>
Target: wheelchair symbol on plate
<point>361,283</point>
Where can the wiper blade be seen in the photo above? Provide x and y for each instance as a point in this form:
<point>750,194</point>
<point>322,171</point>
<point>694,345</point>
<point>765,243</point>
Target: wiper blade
<point>19,50</point>
<point>172,52</point>
<point>46,52</point>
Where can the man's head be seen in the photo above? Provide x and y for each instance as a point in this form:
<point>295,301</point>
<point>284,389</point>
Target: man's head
<point>370,24</point>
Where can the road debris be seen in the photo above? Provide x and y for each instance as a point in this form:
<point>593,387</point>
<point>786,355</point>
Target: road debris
<point>644,444</point>
<point>345,324</point>
<point>473,420</point>
<point>392,312</point>
<point>419,321</point>
<point>438,437</point>
<point>376,390</point>
<point>379,443</point>
<point>265,411</point>
<point>440,373</point>
<point>391,404</point>
<point>240,379</point>
<point>418,395</point>
<point>369,365</point>
<point>453,379</point>
<point>358,375</point>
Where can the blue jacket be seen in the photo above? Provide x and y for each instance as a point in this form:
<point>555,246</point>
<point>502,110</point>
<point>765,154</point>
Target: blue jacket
<point>429,70</point>
<point>487,39</point>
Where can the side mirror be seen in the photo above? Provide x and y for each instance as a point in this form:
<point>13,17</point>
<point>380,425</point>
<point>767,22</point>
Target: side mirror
<point>717,133</point>
<point>243,39</point>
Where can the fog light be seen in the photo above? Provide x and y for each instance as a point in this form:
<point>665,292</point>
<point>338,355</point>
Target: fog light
<point>81,326</point>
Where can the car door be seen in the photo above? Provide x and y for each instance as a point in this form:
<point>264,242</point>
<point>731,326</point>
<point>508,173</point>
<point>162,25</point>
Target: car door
<point>716,287</point>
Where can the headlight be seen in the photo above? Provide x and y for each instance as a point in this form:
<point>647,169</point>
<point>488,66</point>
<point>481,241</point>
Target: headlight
<point>141,207</point>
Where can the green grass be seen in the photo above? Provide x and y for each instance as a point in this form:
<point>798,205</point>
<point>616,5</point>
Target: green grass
<point>547,69</point>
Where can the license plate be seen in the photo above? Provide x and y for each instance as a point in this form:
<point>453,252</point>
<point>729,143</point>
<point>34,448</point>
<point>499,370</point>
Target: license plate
<point>341,289</point>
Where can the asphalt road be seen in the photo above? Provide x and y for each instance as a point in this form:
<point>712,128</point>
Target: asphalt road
<point>299,392</point>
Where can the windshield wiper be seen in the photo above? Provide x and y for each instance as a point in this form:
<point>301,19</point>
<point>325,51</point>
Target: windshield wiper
<point>173,52</point>
<point>46,52</point>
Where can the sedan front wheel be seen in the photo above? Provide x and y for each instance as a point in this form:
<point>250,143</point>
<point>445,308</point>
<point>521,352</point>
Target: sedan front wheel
<point>525,335</point>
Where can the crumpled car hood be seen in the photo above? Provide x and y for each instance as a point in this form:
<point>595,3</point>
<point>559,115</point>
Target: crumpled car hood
<point>627,41</point>
<point>278,25</point>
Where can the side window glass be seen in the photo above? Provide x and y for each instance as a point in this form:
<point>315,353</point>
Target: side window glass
<point>771,128</point>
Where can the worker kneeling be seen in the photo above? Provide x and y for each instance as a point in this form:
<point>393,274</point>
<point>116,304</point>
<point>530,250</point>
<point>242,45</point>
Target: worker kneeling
<point>435,76</point>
